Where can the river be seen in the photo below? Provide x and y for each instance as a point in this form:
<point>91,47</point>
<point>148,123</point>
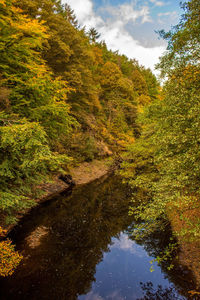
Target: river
<point>79,246</point>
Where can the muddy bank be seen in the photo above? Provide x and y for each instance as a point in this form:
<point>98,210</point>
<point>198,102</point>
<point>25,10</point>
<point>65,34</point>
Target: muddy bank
<point>85,173</point>
<point>89,171</point>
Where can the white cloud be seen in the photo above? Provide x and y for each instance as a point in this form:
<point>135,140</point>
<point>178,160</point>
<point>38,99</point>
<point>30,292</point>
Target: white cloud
<point>158,3</point>
<point>84,12</point>
<point>117,38</point>
<point>127,12</point>
<point>82,8</point>
<point>125,244</point>
<point>93,296</point>
<point>113,28</point>
<point>170,14</point>
<point>115,295</point>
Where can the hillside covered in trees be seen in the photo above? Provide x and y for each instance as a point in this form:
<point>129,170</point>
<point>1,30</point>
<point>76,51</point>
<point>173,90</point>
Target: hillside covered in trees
<point>163,164</point>
<point>63,97</point>
<point>164,161</point>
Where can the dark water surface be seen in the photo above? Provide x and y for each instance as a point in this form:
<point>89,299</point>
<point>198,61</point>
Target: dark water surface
<point>79,246</point>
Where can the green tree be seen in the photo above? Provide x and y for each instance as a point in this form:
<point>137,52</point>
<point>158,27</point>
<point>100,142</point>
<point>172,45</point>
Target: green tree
<point>165,160</point>
<point>70,16</point>
<point>93,35</point>
<point>33,110</point>
<point>183,40</point>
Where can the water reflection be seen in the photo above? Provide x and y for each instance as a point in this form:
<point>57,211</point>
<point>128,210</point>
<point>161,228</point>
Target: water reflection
<point>126,244</point>
<point>79,247</point>
<point>118,276</point>
<point>169,293</point>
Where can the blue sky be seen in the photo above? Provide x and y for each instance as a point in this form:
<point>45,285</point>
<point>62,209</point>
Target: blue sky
<point>129,25</point>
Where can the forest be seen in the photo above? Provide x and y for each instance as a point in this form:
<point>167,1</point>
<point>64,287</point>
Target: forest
<point>65,98</point>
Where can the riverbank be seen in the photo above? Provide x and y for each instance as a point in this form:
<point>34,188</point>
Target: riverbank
<point>184,221</point>
<point>89,171</point>
<point>84,173</point>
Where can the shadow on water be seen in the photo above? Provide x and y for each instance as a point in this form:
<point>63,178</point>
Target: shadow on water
<point>79,247</point>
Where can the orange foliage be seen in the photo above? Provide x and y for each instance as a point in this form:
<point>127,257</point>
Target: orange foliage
<point>183,216</point>
<point>9,258</point>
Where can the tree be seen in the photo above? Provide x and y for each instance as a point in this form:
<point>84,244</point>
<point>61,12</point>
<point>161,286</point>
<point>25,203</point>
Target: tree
<point>70,16</point>
<point>183,40</point>
<point>140,85</point>
<point>152,83</point>
<point>33,111</point>
<point>32,90</point>
<point>93,35</point>
<point>165,159</point>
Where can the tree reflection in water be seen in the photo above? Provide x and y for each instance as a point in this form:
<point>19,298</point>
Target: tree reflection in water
<point>160,293</point>
<point>78,231</point>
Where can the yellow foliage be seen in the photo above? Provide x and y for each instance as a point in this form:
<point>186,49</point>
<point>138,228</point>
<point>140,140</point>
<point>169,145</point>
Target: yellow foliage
<point>9,258</point>
<point>143,100</point>
<point>98,56</point>
<point>2,2</point>
<point>110,74</point>
<point>190,74</point>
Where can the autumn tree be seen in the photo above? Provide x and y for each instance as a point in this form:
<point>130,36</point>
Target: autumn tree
<point>33,110</point>
<point>183,40</point>
<point>165,161</point>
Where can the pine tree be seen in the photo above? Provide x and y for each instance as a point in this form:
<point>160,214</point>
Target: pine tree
<point>93,35</point>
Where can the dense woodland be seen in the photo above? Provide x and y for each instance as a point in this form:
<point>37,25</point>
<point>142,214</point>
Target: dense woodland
<point>163,165</point>
<point>63,96</point>
<point>66,98</point>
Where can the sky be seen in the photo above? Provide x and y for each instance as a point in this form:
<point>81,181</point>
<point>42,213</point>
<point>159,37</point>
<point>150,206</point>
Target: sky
<point>129,25</point>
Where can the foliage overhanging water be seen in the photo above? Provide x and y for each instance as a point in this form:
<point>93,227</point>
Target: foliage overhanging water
<point>80,246</point>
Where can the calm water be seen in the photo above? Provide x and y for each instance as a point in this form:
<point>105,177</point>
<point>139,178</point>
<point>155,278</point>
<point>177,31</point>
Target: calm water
<point>79,246</point>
